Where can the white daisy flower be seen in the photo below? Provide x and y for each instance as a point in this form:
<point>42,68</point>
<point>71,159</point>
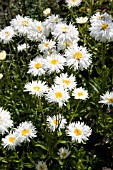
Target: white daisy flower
<point>107,98</point>
<point>72,3</point>
<point>37,66</point>
<point>57,121</point>
<point>22,47</point>
<point>37,88</point>
<point>21,24</point>
<point>77,57</point>
<point>63,153</point>
<point>102,31</point>
<point>100,17</point>
<point>5,121</point>
<point>66,81</point>
<point>80,93</point>
<point>63,32</point>
<point>57,94</point>
<point>81,20</point>
<point>41,166</point>
<point>36,31</point>
<point>78,131</point>
<point>46,45</point>
<point>10,141</point>
<point>25,131</point>
<point>3,55</point>
<point>7,34</point>
<point>55,62</point>
<point>47,11</point>
<point>51,22</point>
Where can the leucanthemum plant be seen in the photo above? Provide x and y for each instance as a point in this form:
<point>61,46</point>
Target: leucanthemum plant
<point>107,98</point>
<point>63,153</point>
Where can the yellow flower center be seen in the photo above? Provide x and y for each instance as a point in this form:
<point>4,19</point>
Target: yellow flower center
<point>25,22</point>
<point>55,122</point>
<point>73,0</point>
<point>54,61</point>
<point>80,94</point>
<point>7,34</point>
<point>56,20</point>
<point>77,55</point>
<point>77,132</point>
<point>46,44</point>
<point>25,132</point>
<point>12,139</point>
<point>42,167</point>
<point>37,88</point>
<point>68,43</point>
<point>101,17</point>
<point>64,154</point>
<point>38,65</point>
<point>110,100</point>
<point>67,82</point>
<point>38,28</point>
<point>65,29</point>
<point>104,26</point>
<point>58,95</point>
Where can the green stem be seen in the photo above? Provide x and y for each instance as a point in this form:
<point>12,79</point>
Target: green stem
<point>26,45</point>
<point>40,105</point>
<point>103,54</point>
<point>73,115</point>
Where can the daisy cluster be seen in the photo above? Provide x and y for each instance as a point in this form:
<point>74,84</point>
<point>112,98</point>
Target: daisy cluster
<point>23,133</point>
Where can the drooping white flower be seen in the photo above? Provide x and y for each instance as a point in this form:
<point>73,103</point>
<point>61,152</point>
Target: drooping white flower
<point>107,98</point>
<point>37,66</point>
<point>3,55</point>
<point>78,131</point>
<point>80,93</point>
<point>63,153</point>
<point>56,121</point>
<point>25,131</point>
<point>81,20</point>
<point>41,165</point>
<point>22,47</point>
<point>47,11</point>
<point>37,88</point>
<point>5,121</point>
<point>77,57</point>
<point>57,94</point>
<point>66,81</point>
<point>1,75</point>
<point>7,34</point>
<point>72,3</point>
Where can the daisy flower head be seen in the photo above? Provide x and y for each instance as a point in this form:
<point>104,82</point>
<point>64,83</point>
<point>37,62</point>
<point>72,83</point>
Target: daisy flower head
<point>107,98</point>
<point>80,93</point>
<point>10,141</point>
<point>21,24</point>
<point>41,166</point>
<point>102,31</point>
<point>46,45</point>
<point>3,55</point>
<point>7,34</point>
<point>37,66</point>
<point>82,20</point>
<point>63,153</point>
<point>57,94</point>
<point>36,31</point>
<point>72,3</point>
<point>100,17</point>
<point>5,121</point>
<point>51,22</point>
<point>77,57</point>
<point>22,47</point>
<point>25,131</point>
<point>56,121</point>
<point>1,75</point>
<point>63,32</point>
<point>66,81</point>
<point>78,131</point>
<point>55,62</point>
<point>37,88</point>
